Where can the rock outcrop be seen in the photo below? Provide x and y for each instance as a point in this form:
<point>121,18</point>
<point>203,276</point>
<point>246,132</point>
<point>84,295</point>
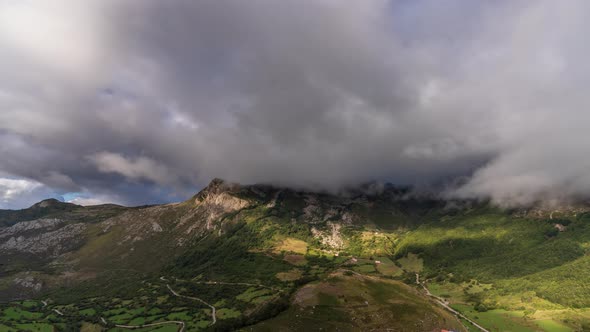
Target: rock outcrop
<point>52,243</point>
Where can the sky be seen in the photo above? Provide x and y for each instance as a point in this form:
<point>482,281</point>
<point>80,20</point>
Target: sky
<point>145,101</point>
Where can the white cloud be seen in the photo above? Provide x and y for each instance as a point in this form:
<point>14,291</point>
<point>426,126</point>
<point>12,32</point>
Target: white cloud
<point>88,201</point>
<point>58,34</point>
<point>12,188</point>
<point>17,193</point>
<point>133,168</point>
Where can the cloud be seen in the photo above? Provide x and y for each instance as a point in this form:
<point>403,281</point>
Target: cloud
<point>148,100</point>
<point>132,168</point>
<point>9,188</point>
<point>18,193</point>
<point>88,201</point>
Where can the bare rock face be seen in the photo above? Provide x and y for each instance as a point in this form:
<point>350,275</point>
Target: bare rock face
<point>320,211</point>
<point>30,226</point>
<point>217,200</point>
<point>156,227</point>
<point>555,211</point>
<point>28,282</point>
<point>195,218</point>
<point>273,202</point>
<point>218,205</point>
<point>313,213</point>
<point>139,224</point>
<point>330,237</point>
<point>52,243</point>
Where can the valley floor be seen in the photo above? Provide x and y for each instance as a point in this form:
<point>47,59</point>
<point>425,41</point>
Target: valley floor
<point>355,296</point>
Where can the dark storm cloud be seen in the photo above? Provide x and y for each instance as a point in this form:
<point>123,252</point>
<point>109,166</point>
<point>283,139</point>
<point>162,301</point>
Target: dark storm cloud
<point>144,101</point>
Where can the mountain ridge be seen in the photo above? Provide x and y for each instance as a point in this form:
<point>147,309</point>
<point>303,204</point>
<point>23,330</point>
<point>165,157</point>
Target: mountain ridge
<point>369,189</point>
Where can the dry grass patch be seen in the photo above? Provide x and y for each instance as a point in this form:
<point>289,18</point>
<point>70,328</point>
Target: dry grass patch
<point>291,275</point>
<point>292,245</point>
<point>389,269</point>
<point>297,260</point>
<point>89,327</point>
<point>412,263</point>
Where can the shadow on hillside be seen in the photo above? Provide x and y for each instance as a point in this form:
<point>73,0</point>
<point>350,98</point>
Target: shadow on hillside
<point>489,258</point>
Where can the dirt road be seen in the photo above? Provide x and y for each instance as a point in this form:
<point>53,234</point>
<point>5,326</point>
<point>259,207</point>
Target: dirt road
<point>196,299</point>
<point>133,327</point>
<point>443,303</point>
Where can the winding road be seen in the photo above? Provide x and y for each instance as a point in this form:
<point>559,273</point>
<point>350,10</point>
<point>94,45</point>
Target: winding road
<point>177,322</point>
<point>236,283</point>
<point>133,327</point>
<point>196,299</point>
<point>444,304</point>
<point>54,310</point>
<point>175,293</point>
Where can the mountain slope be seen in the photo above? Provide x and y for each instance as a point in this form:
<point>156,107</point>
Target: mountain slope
<point>252,252</point>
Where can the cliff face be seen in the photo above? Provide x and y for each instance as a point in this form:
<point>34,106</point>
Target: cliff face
<point>42,237</point>
<point>218,199</point>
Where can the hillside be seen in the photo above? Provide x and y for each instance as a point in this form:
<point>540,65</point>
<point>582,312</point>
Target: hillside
<point>262,258</point>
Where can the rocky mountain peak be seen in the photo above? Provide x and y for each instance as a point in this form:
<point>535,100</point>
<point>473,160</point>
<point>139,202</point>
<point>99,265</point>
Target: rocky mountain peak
<point>49,203</point>
<point>216,187</point>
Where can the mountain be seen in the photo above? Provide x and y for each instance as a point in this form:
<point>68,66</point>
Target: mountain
<point>261,258</point>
